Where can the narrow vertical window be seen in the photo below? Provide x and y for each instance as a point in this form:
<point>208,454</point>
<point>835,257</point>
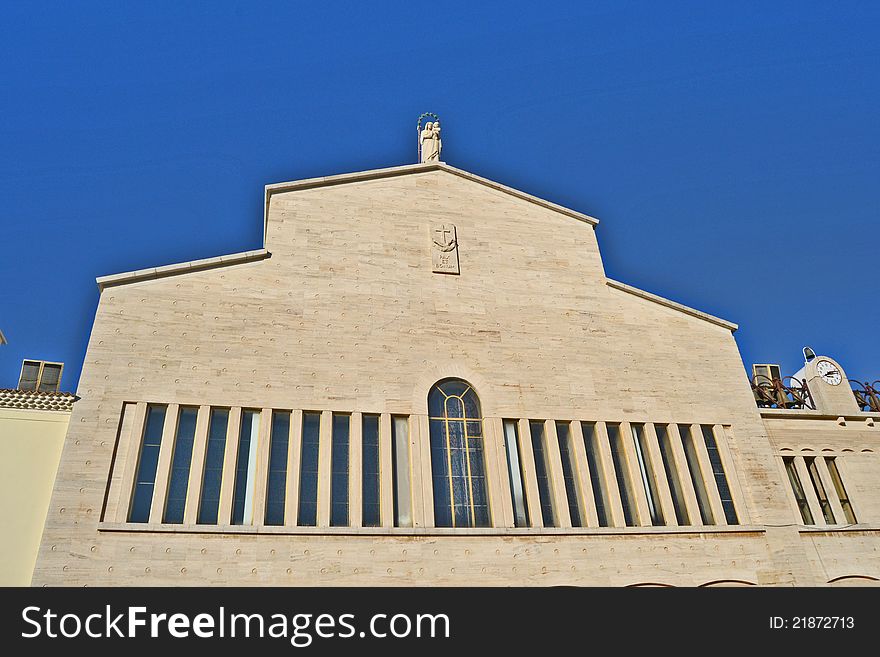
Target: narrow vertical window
<point>307,513</point>
<point>672,476</point>
<point>720,476</point>
<point>569,473</point>
<point>824,504</point>
<point>371,509</point>
<point>400,471</point>
<point>542,472</point>
<point>39,375</point>
<point>457,462</point>
<point>30,375</point>
<point>178,483</point>
<point>831,462</point>
<point>621,471</point>
<point>276,480</point>
<point>690,454</point>
<point>339,470</point>
<point>215,454</point>
<point>148,461</point>
<point>646,469</point>
<point>597,473</point>
<point>515,474</point>
<point>245,469</point>
<point>50,378</point>
<point>798,490</point>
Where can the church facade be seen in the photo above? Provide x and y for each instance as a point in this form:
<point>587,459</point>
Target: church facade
<point>426,378</point>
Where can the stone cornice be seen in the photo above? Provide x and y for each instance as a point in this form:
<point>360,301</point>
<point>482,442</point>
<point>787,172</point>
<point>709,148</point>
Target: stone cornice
<point>180,268</point>
<point>617,285</point>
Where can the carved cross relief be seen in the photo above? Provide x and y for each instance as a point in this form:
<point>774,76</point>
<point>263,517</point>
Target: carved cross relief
<point>444,249</point>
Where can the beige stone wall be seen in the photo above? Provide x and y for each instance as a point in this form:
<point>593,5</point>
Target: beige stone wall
<point>30,447</point>
<point>346,315</point>
<point>853,443</point>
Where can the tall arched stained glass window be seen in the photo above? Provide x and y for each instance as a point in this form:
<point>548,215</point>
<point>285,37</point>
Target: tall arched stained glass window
<point>457,464</point>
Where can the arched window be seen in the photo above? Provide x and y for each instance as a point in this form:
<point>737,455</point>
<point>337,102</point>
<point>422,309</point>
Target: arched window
<point>457,465</point>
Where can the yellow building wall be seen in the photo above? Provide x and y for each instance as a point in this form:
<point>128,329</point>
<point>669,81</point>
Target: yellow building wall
<point>30,448</point>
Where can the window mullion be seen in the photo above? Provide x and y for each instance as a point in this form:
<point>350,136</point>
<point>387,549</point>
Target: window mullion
<point>830,490</point>
<point>807,487</point>
<point>230,461</point>
<point>449,466</point>
<point>470,481</point>
<point>130,438</point>
<point>197,466</point>
<point>386,471</point>
<point>163,470</point>
<point>561,513</point>
<point>660,481</point>
<point>355,470</point>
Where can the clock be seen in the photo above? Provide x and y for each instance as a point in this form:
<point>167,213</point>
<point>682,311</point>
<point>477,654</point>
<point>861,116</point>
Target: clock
<point>829,372</point>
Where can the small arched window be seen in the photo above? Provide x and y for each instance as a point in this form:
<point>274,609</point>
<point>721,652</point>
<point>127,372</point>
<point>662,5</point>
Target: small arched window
<point>457,464</point>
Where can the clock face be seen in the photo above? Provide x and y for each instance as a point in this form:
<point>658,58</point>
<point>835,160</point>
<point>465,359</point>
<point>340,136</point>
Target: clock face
<point>829,372</point>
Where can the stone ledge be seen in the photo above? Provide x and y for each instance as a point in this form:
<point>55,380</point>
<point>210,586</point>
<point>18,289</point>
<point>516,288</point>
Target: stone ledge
<point>180,268</point>
<point>810,414</point>
<point>423,531</point>
<point>836,529</point>
<point>623,287</point>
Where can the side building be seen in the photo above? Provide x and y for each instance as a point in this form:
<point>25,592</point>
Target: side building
<point>823,429</point>
<point>34,419</point>
<point>426,378</point>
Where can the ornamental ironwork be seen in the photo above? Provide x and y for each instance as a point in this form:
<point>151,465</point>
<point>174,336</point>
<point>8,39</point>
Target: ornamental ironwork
<point>867,395</point>
<point>787,392</point>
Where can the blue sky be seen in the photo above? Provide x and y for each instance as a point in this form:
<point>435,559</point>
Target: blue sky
<point>730,150</point>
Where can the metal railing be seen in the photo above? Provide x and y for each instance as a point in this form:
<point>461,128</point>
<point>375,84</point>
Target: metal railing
<point>787,392</point>
<point>867,395</point>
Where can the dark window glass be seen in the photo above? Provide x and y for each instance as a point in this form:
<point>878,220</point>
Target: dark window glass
<point>50,378</point>
<point>148,461</point>
<point>621,471</point>
<point>597,474</point>
<point>460,489</point>
<point>542,472</point>
<point>440,474</point>
<point>30,372</point>
<point>831,462</point>
<point>798,490</point>
<point>181,461</point>
<point>339,471</point>
<point>307,515</point>
<point>478,485</point>
<point>690,454</point>
<point>515,474</point>
<point>672,476</point>
<point>276,482</point>
<point>371,510</point>
<point>569,473</point>
<point>243,495</point>
<point>720,476</point>
<point>215,454</point>
<point>457,462</point>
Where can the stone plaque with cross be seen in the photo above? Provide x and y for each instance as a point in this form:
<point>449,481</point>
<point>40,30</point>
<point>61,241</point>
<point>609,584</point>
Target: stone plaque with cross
<point>444,249</point>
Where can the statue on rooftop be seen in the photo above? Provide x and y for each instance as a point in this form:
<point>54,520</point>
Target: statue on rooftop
<point>430,144</point>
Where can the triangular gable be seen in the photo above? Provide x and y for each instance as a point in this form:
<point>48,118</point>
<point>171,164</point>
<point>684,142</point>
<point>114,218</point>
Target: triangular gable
<point>390,172</point>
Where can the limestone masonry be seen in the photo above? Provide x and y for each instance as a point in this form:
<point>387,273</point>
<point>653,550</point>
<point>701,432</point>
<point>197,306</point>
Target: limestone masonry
<point>425,378</point>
